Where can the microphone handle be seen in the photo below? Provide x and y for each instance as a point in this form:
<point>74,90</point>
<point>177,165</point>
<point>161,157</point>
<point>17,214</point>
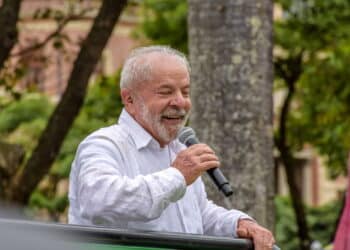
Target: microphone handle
<point>220,181</point>
<point>215,173</point>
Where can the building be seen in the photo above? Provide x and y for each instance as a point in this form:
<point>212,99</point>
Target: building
<point>47,68</point>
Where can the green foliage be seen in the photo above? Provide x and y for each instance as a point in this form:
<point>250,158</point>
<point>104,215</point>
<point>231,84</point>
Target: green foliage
<point>9,77</point>
<point>103,102</point>
<point>27,134</point>
<point>318,32</point>
<point>286,228</point>
<point>312,24</point>
<point>23,121</point>
<point>101,108</point>
<point>326,101</point>
<point>165,22</point>
<point>27,109</point>
<point>55,204</point>
<point>321,220</point>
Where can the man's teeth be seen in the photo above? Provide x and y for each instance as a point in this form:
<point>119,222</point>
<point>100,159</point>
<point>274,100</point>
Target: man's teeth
<point>173,117</point>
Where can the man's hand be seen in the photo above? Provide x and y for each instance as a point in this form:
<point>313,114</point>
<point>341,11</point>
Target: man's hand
<point>262,238</point>
<point>193,161</point>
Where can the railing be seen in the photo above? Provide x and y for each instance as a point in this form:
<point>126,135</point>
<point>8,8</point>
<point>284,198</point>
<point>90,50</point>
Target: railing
<point>29,235</point>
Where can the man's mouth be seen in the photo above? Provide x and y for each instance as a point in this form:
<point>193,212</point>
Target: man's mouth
<point>173,117</point>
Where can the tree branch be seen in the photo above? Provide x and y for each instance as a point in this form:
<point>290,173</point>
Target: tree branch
<point>55,33</point>
<point>9,12</point>
<point>51,139</point>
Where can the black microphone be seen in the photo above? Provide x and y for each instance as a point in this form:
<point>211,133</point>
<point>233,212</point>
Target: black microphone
<point>188,137</point>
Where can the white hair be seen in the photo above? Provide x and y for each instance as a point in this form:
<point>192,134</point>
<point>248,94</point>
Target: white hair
<point>137,68</point>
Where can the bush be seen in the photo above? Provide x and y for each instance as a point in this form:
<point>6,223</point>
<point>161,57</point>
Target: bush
<point>101,108</point>
<point>321,220</point>
<point>27,109</point>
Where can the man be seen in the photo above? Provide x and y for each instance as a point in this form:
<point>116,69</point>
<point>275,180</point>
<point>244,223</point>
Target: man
<point>136,174</point>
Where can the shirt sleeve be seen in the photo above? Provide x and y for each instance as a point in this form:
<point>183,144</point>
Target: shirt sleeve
<point>218,221</point>
<point>105,194</point>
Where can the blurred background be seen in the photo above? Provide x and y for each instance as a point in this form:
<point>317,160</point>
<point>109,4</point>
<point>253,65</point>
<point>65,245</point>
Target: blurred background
<point>59,82</point>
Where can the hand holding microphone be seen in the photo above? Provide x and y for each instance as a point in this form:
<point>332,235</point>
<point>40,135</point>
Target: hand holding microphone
<point>193,161</point>
<point>198,158</point>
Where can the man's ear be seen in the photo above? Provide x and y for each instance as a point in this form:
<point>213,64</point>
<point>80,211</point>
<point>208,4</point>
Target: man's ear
<point>128,100</point>
<point>126,96</point>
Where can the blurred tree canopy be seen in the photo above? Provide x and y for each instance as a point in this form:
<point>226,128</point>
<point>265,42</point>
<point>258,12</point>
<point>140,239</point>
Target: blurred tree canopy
<point>311,51</point>
<point>311,57</point>
<point>23,121</point>
<point>322,222</point>
<point>49,132</point>
<point>165,22</point>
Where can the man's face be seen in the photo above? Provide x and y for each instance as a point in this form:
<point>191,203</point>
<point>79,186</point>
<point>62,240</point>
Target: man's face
<point>162,105</point>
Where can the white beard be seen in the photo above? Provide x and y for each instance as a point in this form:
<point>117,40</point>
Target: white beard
<point>155,123</point>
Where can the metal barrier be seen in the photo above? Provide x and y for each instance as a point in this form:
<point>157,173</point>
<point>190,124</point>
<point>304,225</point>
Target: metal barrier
<point>28,235</point>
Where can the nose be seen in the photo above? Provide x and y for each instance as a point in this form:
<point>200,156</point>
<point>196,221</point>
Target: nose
<point>179,100</point>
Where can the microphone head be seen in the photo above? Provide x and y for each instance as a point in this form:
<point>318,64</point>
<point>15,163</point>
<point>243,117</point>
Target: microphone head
<point>187,136</point>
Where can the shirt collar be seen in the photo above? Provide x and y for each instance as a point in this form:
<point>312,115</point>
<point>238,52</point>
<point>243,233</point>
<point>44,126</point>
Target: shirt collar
<point>139,135</point>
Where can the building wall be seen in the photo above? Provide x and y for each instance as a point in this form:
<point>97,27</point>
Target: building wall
<point>51,74</point>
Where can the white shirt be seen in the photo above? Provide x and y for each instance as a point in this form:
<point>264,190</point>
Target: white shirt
<point>122,178</point>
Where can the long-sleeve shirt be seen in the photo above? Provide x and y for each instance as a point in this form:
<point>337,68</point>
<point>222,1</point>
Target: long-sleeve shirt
<point>121,177</point>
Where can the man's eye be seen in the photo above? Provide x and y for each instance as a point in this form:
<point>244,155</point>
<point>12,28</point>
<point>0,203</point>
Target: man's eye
<point>186,94</point>
<point>164,92</point>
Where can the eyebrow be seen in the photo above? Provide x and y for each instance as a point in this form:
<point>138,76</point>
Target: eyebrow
<point>170,86</point>
<point>165,87</point>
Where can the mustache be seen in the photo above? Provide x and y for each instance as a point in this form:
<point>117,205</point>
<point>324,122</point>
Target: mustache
<point>175,112</point>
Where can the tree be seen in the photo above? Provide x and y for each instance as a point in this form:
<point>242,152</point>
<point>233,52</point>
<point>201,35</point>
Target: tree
<point>9,12</point>
<point>311,64</point>
<point>230,44</point>
<point>25,180</point>
<point>164,22</point>
<point>312,54</point>
<point>321,222</point>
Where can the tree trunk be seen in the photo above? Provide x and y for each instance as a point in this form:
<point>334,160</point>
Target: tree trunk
<point>9,12</point>
<point>11,156</point>
<point>230,44</point>
<point>300,215</point>
<point>61,120</point>
<point>291,76</point>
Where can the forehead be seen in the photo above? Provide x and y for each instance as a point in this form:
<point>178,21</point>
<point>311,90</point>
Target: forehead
<point>167,68</point>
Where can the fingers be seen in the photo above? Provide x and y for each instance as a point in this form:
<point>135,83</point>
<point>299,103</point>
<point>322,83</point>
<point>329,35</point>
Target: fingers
<point>262,238</point>
<point>193,161</point>
<point>209,164</point>
<point>200,149</point>
<point>205,156</point>
<point>208,157</point>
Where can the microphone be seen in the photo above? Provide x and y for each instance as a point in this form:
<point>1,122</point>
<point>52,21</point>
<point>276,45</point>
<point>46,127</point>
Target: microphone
<point>187,136</point>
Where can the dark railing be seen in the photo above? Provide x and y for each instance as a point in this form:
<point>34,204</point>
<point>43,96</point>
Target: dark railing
<point>29,235</point>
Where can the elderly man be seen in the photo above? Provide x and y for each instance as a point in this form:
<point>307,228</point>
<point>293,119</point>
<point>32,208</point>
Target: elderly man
<point>137,175</point>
